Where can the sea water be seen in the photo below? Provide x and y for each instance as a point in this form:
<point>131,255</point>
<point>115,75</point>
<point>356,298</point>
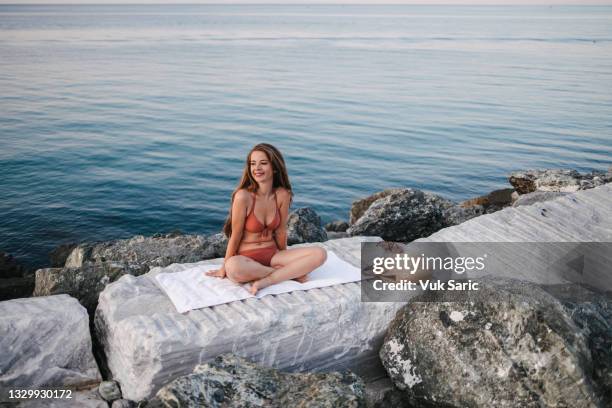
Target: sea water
<point>123,120</point>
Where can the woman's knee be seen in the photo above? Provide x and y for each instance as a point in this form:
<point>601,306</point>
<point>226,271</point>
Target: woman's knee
<point>320,255</point>
<point>232,269</point>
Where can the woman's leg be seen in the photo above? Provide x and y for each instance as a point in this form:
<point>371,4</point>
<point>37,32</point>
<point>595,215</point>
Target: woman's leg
<point>291,264</point>
<point>241,269</point>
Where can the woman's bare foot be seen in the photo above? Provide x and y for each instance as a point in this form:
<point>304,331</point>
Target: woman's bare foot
<point>301,279</point>
<point>259,284</point>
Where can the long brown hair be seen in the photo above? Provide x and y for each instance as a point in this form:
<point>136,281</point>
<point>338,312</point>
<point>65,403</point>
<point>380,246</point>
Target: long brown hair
<point>280,178</point>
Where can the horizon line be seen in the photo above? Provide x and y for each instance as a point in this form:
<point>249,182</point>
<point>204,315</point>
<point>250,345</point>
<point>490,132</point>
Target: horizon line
<point>297,3</point>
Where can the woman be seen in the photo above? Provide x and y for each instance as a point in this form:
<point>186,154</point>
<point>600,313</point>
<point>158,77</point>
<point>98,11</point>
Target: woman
<point>257,226</point>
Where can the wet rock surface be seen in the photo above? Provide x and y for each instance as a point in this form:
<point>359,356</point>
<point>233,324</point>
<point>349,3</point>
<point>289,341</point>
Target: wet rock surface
<point>231,381</point>
<point>512,344</point>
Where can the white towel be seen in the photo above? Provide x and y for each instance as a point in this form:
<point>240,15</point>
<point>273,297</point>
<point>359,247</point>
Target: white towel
<point>193,289</point>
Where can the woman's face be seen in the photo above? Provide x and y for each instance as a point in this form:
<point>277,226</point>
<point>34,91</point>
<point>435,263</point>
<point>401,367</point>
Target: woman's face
<point>261,168</point>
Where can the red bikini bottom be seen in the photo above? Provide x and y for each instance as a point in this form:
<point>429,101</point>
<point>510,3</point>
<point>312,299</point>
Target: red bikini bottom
<point>261,255</point>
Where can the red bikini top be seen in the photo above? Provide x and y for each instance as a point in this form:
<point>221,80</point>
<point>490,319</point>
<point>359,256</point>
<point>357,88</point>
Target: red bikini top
<point>252,224</point>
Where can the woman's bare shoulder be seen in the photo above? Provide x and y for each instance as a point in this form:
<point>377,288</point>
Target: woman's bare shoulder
<point>283,194</point>
<point>242,196</point>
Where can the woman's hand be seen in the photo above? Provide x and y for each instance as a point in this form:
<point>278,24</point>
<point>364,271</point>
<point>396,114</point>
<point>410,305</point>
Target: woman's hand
<point>220,273</point>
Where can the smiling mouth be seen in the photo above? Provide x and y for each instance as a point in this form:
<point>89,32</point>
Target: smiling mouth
<point>258,174</point>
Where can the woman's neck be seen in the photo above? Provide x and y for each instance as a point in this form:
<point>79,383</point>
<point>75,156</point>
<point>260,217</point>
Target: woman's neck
<point>265,189</point>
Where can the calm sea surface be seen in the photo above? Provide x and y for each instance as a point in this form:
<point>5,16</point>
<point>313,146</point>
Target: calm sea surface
<point>123,120</point>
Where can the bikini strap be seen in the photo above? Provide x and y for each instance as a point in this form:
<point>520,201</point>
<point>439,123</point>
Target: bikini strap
<point>253,207</point>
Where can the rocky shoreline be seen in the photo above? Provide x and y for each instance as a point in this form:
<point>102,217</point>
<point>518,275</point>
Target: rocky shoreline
<point>570,367</point>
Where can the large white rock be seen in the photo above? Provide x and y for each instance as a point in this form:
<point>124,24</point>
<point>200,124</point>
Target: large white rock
<point>148,343</point>
<point>583,216</point>
<point>78,399</point>
<point>558,232</point>
<point>45,342</point>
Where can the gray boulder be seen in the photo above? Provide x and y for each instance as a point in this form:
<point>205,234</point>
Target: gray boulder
<point>45,342</point>
<point>231,381</point>
<point>83,283</point>
<point>454,214</point>
<point>336,226</point>
<point>407,214</point>
<point>592,313</point>
<point>382,394</point>
<point>109,390</point>
<point>158,250</point>
<point>509,344</point>
<point>537,197</point>
<point>360,206</point>
<point>304,225</point>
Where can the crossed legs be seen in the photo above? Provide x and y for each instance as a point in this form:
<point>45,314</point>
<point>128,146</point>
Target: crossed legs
<point>288,264</point>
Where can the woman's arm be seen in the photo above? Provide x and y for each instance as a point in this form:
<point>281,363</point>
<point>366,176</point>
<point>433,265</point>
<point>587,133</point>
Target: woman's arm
<point>280,235</point>
<point>241,201</point>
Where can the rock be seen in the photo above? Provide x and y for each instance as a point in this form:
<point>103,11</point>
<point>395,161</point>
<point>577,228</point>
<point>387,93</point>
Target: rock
<point>337,226</point>
<point>45,342</point>
<point>79,399</point>
<point>84,283</point>
<point>109,390</point>
<point>9,267</point>
<point>407,214</point>
<point>584,216</point>
<point>304,225</point>
<point>382,394</point>
<point>557,180</point>
<point>148,343</point>
<point>512,344</point>
<point>58,256</point>
<point>537,197</point>
<point>336,235</point>
<point>123,403</point>
<point>456,214</point>
<point>13,288</point>
<point>159,250</point>
<point>230,381</point>
<point>545,180</point>
<point>494,201</point>
<point>592,313</point>
<point>359,207</point>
